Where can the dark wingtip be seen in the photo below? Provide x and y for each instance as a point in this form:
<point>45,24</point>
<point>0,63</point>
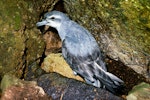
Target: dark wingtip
<point>117,90</point>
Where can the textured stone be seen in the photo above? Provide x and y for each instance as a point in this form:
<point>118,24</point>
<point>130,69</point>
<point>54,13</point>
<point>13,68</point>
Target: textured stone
<point>15,89</point>
<point>56,63</point>
<point>140,92</point>
<point>20,41</point>
<point>61,88</point>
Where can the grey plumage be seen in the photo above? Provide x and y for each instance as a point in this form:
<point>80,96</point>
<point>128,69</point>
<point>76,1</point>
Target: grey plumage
<point>81,51</point>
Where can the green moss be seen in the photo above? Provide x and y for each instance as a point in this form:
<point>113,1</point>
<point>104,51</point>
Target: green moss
<point>14,16</point>
<point>140,87</point>
<point>137,24</point>
<point>7,81</point>
<point>11,13</point>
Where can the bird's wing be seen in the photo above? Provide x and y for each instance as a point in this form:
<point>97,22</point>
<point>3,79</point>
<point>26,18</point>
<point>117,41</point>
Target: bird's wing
<point>82,53</point>
<point>92,69</point>
<point>83,64</point>
<point>80,42</point>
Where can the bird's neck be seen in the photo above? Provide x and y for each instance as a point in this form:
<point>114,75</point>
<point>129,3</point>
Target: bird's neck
<point>61,33</point>
<point>62,30</point>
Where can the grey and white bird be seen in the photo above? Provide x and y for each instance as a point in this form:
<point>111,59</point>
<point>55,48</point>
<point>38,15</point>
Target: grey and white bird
<point>81,51</point>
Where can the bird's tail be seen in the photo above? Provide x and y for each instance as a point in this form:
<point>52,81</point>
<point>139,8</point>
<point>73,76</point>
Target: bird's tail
<point>109,81</point>
<point>112,83</point>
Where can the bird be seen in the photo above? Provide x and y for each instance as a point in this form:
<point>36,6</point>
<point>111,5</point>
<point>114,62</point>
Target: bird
<point>81,51</point>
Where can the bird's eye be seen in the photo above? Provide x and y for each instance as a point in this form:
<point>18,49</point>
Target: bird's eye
<point>52,17</point>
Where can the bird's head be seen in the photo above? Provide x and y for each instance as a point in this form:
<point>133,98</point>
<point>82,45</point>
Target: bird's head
<point>53,19</point>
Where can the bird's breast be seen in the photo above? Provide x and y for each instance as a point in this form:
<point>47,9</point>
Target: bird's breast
<point>80,47</point>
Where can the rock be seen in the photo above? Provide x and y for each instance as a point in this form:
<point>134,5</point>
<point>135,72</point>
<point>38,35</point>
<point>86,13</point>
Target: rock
<point>16,89</point>
<point>56,63</point>
<point>61,88</point>
<point>140,92</point>
<point>11,38</point>
<point>128,75</point>
<point>20,40</point>
<point>52,41</point>
<point>34,71</point>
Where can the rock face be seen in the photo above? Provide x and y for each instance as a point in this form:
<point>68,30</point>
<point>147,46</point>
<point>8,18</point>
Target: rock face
<point>11,37</point>
<point>15,89</point>
<point>52,41</point>
<point>140,92</point>
<point>56,63</point>
<point>61,88</point>
<point>20,41</point>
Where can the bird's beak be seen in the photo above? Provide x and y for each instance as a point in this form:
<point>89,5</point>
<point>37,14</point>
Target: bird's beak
<point>42,23</point>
